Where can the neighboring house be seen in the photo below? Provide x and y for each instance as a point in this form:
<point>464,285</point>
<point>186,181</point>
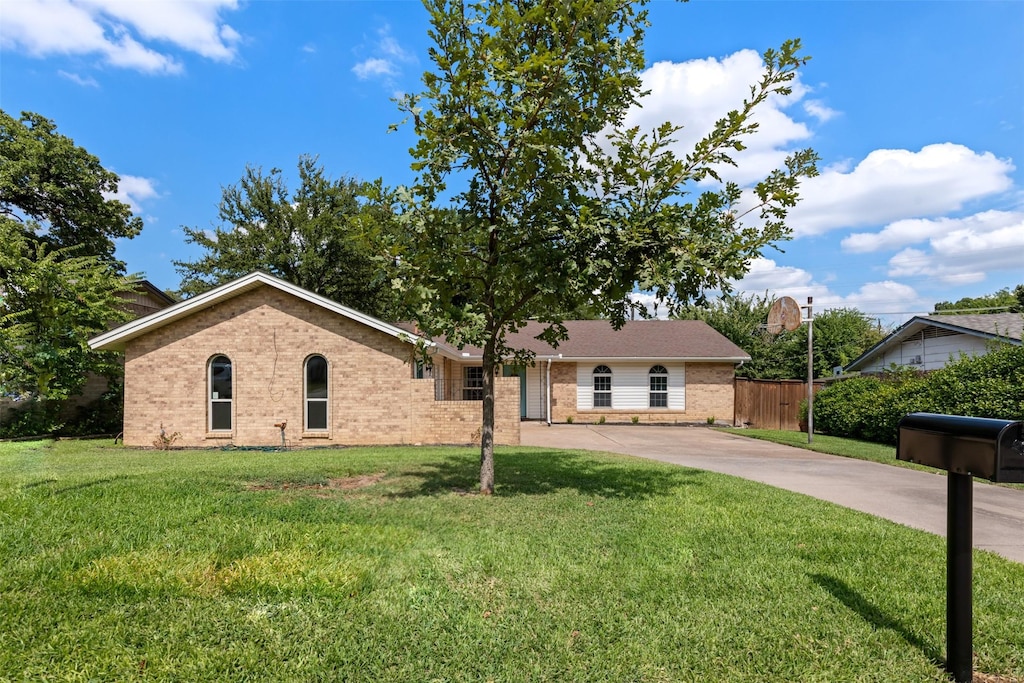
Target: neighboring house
<point>143,299</point>
<point>233,364</point>
<point>930,342</point>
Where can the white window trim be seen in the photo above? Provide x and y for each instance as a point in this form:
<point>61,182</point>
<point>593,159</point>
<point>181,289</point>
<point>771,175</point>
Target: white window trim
<point>306,399</point>
<point>210,400</point>
<point>595,374</point>
<point>651,392</point>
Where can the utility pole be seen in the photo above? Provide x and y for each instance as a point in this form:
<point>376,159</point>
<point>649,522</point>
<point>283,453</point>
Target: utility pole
<point>810,371</point>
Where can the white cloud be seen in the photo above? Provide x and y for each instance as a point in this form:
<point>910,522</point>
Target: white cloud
<point>84,81</point>
<point>697,93</point>
<point>374,67</point>
<point>876,298</point>
<point>118,30</point>
<point>649,302</point>
<point>388,56</point>
<point>133,190</point>
<point>967,250</point>
<point>915,230</point>
<point>894,184</point>
<point>819,110</point>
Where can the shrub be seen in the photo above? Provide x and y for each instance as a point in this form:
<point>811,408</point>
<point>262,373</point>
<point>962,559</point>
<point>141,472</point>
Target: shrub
<point>33,418</point>
<point>105,415</point>
<point>870,408</point>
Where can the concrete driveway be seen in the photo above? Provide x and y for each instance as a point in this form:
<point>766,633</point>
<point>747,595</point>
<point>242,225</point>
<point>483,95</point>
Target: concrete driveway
<point>916,499</point>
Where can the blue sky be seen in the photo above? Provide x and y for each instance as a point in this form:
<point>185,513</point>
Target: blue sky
<point>916,109</point>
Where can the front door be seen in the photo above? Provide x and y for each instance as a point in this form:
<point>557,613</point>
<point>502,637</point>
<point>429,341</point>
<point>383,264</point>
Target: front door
<point>512,371</point>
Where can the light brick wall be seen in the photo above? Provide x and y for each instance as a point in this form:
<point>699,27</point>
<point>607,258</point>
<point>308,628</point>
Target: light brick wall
<point>709,393</point>
<point>268,335</point>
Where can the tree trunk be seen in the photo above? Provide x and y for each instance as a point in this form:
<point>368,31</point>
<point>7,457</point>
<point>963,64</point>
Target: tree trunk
<point>487,428</point>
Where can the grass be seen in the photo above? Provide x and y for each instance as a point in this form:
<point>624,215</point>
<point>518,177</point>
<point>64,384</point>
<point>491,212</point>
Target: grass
<point>380,565</point>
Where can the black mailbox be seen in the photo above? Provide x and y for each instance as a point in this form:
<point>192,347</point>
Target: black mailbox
<point>966,447</point>
<point>978,446</point>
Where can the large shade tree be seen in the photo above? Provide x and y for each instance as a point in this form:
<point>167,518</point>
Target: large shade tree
<point>60,194</point>
<point>59,278</point>
<point>313,237</point>
<point>531,199</point>
<point>51,303</point>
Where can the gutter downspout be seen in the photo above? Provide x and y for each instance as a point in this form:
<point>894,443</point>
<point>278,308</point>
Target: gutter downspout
<point>547,383</point>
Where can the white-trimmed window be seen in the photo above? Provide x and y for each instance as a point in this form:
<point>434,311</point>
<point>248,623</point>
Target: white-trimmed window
<point>602,387</point>
<point>472,383</point>
<point>316,393</point>
<point>221,386</point>
<point>658,378</point>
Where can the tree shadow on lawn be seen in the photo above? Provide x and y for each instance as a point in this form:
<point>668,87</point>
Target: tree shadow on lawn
<point>544,472</point>
<point>875,616</point>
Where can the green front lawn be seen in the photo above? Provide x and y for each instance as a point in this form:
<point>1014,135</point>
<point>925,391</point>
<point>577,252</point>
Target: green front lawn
<point>381,565</point>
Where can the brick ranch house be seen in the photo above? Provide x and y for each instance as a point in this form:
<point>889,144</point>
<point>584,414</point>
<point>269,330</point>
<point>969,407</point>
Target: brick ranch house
<point>233,364</point>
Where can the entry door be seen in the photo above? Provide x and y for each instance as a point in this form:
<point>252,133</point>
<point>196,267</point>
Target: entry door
<point>513,371</point>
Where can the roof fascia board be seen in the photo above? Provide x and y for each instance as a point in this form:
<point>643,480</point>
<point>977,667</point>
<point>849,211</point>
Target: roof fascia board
<point>130,330</point>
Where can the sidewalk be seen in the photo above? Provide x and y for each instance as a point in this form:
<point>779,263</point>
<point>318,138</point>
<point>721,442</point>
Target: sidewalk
<point>914,498</point>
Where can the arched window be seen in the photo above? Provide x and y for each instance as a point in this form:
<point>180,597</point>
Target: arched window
<point>316,393</point>
<point>220,394</point>
<point>658,376</point>
<point>602,387</point>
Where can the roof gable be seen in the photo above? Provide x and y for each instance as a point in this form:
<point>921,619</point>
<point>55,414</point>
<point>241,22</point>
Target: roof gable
<point>116,338</point>
<point>1005,326</point>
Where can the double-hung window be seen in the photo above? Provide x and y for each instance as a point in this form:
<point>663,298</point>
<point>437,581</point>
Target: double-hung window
<point>602,387</point>
<point>658,377</point>
<point>316,393</point>
<point>220,382</point>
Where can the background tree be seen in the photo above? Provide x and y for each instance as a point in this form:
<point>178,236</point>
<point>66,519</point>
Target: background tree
<point>59,193</point>
<point>314,238</point>
<point>840,335</point>
<point>1003,301</point>
<point>553,205</point>
<point>59,278</point>
<point>52,303</point>
<point>742,319</point>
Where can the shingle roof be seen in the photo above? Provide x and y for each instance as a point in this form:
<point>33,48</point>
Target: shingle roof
<point>989,325</point>
<point>997,324</point>
<point>640,339</point>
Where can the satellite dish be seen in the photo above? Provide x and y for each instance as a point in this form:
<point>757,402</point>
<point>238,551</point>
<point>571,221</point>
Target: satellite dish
<point>784,315</point>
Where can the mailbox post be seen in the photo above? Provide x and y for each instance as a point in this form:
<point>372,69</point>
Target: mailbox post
<point>965,447</point>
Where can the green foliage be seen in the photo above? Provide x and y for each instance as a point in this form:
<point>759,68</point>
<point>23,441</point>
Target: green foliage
<point>315,238</point>
<point>870,408</point>
<point>57,191</point>
<point>105,415</point>
<point>31,418</point>
<point>553,206</point>
<point>840,336</point>
<point>1002,301</point>
<point>53,302</point>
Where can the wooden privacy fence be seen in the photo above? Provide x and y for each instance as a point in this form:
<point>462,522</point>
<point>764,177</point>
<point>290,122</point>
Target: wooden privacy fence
<point>771,403</point>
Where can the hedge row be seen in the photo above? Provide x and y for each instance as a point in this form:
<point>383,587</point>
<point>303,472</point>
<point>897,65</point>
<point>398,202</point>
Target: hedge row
<point>870,408</point>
